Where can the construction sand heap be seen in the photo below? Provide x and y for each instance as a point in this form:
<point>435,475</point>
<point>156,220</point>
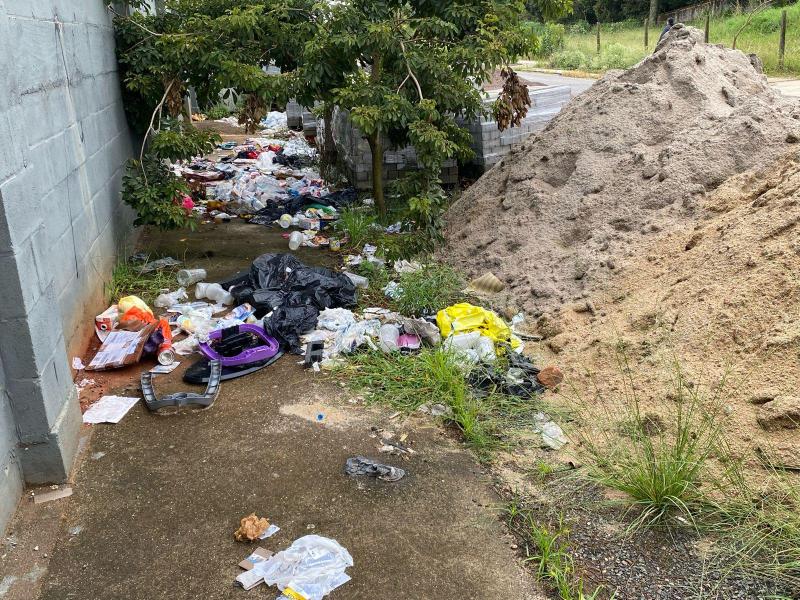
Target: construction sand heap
<point>723,298</point>
<point>632,156</point>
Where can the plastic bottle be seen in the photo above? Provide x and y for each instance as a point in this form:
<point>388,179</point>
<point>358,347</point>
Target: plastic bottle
<point>187,277</point>
<point>213,291</point>
<point>285,221</point>
<point>295,240</point>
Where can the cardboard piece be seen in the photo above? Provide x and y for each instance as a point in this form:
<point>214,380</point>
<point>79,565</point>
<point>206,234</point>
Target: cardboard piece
<point>258,555</point>
<point>248,580</point>
<point>54,495</point>
<point>120,348</point>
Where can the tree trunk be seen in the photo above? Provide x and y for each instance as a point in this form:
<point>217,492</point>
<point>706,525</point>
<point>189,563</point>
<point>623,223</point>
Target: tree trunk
<point>376,148</point>
<point>329,153</point>
<point>376,145</point>
<point>654,12</point>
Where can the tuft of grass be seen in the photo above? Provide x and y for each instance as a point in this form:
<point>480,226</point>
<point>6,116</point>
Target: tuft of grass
<point>126,280</point>
<point>661,469</point>
<point>359,225</point>
<point>433,376</point>
<point>429,290</point>
<point>548,552</point>
<point>758,528</point>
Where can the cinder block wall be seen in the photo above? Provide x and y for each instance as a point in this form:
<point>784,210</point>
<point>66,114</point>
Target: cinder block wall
<point>64,143</point>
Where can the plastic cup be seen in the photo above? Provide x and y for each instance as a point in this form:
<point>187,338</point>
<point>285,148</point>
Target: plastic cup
<point>187,277</point>
<point>285,221</point>
<point>295,240</point>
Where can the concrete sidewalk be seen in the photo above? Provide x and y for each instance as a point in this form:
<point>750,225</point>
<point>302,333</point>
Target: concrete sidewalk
<point>157,498</point>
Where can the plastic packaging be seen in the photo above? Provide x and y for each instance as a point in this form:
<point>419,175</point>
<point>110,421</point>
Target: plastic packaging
<point>285,221</point>
<point>167,300</point>
<point>295,240</point>
<point>358,280</point>
<point>389,336</point>
<point>213,291</point>
<point>187,277</point>
<point>129,302</point>
<point>312,567</point>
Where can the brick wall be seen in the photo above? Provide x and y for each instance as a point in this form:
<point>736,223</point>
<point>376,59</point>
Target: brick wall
<point>64,145</point>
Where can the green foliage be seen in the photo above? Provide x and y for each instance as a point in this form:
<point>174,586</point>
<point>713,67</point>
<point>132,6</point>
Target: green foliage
<point>760,37</point>
<point>359,225</point>
<point>550,37</point>
<point>569,59</point>
<point>218,111</point>
<point>423,202</point>
<point>126,280</point>
<point>182,142</point>
<point>405,382</point>
<point>429,290</point>
<point>155,194</point>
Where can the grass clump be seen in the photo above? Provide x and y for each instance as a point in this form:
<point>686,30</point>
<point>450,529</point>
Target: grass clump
<point>358,224</point>
<point>434,376</point>
<point>661,469</point>
<point>126,280</point>
<point>758,528</point>
<point>548,551</point>
<point>429,290</point>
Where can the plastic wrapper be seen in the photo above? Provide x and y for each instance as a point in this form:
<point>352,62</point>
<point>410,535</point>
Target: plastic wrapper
<point>312,567</point>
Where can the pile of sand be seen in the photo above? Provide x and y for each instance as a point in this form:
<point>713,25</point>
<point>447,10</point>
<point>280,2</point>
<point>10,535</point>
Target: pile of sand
<point>632,156</point>
<point>722,298</point>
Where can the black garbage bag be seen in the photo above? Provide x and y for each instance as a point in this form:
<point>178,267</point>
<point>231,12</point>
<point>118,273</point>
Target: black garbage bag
<point>286,273</point>
<point>287,323</point>
<point>293,292</point>
<point>519,379</point>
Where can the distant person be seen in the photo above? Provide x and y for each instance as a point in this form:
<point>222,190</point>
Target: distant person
<point>667,27</point>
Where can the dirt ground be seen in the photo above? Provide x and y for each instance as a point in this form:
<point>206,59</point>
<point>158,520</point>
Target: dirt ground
<point>157,498</point>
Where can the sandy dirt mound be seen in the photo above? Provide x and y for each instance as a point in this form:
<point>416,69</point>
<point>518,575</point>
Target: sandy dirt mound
<point>632,156</point>
<point>723,297</point>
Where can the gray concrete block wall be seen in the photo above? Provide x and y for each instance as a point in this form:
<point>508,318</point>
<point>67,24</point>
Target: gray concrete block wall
<point>62,222</point>
<point>491,145</point>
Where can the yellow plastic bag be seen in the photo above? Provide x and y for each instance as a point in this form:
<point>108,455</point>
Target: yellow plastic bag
<point>128,302</point>
<point>465,318</point>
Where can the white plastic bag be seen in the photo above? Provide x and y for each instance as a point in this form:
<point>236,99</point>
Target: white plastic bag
<point>312,566</point>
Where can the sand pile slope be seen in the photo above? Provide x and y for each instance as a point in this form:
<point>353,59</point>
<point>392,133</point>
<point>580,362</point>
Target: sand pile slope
<point>723,298</point>
<point>632,156</point>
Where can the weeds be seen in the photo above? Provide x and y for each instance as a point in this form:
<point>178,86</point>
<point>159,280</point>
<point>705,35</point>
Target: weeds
<point>405,382</point>
<point>126,280</point>
<point>661,469</point>
<point>759,529</point>
<point>428,290</point>
<point>218,111</point>
<point>548,551</point>
<point>358,224</point>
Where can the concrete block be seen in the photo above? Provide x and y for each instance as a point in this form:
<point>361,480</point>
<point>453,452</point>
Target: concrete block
<point>49,460</point>
<point>36,68</point>
<point>22,203</point>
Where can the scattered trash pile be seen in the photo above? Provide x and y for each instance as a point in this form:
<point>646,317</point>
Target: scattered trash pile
<point>724,298</point>
<point>267,181</point>
<point>632,156</point>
